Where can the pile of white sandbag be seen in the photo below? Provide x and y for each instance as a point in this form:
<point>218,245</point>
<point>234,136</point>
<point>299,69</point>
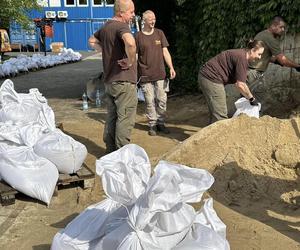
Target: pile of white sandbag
<point>24,63</point>
<point>143,212</point>
<point>32,149</point>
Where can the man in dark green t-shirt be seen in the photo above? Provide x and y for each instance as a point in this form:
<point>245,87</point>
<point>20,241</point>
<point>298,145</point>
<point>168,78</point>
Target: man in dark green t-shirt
<point>272,53</point>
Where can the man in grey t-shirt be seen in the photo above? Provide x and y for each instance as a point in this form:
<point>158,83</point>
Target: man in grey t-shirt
<point>120,76</point>
<point>272,53</point>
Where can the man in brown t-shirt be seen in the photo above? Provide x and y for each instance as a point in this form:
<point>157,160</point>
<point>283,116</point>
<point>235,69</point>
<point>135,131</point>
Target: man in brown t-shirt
<point>228,67</point>
<point>152,53</point>
<point>120,76</point>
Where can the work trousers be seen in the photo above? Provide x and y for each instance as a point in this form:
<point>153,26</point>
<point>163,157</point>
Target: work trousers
<point>215,96</point>
<point>156,101</point>
<point>121,98</point>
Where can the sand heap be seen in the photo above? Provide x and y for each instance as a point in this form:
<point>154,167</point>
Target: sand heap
<point>252,160</point>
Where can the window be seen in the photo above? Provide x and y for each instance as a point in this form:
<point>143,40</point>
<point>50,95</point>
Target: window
<point>42,3</point>
<point>97,2</point>
<point>54,3</point>
<point>82,3</point>
<point>109,2</point>
<point>70,3</point>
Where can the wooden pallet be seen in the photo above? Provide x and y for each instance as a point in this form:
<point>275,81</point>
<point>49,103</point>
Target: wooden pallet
<point>85,178</point>
<point>7,194</point>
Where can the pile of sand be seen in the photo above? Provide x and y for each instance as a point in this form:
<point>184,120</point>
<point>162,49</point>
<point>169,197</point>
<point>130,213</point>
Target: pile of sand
<point>252,160</point>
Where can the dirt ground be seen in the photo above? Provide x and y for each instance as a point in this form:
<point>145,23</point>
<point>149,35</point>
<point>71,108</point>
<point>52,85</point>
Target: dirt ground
<point>242,154</point>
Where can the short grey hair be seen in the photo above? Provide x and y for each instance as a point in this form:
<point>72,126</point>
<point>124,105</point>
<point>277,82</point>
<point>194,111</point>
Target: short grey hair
<point>121,6</point>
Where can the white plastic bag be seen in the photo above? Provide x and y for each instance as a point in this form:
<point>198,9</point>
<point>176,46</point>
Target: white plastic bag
<point>15,107</point>
<point>28,173</point>
<point>124,175</point>
<point>23,134</point>
<point>243,106</point>
<point>66,153</point>
<point>85,231</point>
<point>158,220</point>
<point>207,233</point>
<point>194,181</point>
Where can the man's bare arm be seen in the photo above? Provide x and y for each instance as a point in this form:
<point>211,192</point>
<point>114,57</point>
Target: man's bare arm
<point>95,43</point>
<point>168,60</point>
<point>130,48</point>
<point>284,61</point>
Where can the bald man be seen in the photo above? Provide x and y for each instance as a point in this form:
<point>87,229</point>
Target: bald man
<point>152,49</point>
<point>118,48</point>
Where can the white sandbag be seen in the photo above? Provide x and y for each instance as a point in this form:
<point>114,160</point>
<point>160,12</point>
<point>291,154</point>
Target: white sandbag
<point>194,181</point>
<point>15,107</point>
<point>62,150</point>
<point>28,173</point>
<point>10,132</point>
<point>243,106</point>
<point>207,233</point>
<point>127,181</point>
<point>26,108</point>
<point>124,168</point>
<point>158,219</point>
<point>23,134</point>
<point>86,230</point>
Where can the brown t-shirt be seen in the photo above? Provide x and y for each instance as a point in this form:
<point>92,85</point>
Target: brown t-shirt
<point>150,55</point>
<point>113,49</point>
<point>227,67</point>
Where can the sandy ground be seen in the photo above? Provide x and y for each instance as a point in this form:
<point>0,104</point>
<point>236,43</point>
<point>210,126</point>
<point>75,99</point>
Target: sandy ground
<point>29,224</point>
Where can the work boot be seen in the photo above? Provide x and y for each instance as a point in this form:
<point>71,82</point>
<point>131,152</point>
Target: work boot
<point>152,131</point>
<point>162,128</point>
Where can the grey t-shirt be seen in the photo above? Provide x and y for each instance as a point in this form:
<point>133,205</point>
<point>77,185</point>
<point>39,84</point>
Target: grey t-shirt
<point>272,48</point>
<point>113,49</point>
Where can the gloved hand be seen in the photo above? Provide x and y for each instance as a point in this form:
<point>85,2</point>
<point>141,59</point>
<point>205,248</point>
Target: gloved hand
<point>298,69</point>
<point>277,62</point>
<point>253,101</point>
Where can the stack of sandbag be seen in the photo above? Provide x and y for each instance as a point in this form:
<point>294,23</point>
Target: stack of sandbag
<point>32,149</point>
<point>24,63</point>
<point>146,213</point>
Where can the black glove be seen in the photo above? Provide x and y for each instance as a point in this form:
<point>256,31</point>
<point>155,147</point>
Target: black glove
<point>253,101</point>
<point>277,62</point>
<point>298,69</point>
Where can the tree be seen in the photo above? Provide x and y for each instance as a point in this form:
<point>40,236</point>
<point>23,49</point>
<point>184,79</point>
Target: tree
<point>17,10</point>
<point>205,28</point>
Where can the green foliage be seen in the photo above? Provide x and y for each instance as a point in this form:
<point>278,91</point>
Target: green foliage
<point>205,28</point>
<point>16,10</point>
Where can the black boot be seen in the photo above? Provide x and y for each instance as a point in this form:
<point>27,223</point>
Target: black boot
<point>162,128</point>
<point>152,131</point>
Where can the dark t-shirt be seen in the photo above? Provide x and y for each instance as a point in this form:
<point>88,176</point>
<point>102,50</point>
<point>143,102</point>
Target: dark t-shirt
<point>113,49</point>
<point>150,55</point>
<point>227,67</point>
